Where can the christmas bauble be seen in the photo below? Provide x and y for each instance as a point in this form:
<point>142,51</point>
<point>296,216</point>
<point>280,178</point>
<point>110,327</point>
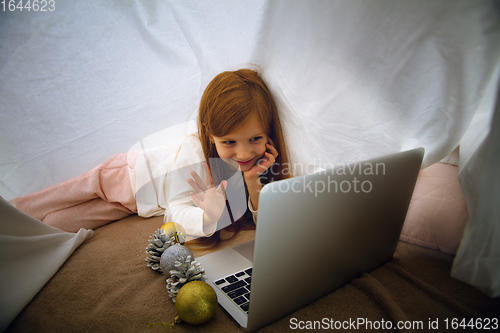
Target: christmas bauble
<point>196,302</point>
<point>175,227</point>
<point>170,255</point>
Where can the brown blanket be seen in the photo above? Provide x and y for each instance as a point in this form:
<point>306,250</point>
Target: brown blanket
<point>105,286</point>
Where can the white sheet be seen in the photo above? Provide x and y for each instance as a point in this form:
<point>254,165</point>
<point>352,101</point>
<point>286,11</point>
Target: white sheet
<point>31,252</point>
<point>353,79</point>
<point>478,259</point>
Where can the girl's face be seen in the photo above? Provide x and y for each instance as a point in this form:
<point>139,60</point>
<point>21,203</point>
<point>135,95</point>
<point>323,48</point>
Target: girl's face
<point>244,147</point>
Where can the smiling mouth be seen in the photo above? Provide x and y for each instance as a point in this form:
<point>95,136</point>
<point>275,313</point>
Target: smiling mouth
<point>246,162</point>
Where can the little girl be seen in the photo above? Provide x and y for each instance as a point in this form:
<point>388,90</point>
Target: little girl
<point>239,147</point>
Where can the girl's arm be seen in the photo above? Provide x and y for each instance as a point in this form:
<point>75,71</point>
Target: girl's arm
<point>189,216</point>
<point>254,188</point>
<point>178,203</point>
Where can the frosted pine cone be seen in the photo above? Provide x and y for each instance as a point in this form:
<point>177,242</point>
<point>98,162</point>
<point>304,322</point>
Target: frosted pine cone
<point>158,243</point>
<point>187,271</point>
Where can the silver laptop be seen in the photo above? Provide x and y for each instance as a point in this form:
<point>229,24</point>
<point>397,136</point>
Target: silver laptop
<point>315,233</point>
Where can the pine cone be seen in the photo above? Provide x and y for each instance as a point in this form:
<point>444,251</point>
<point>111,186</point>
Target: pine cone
<point>158,243</point>
<point>187,271</point>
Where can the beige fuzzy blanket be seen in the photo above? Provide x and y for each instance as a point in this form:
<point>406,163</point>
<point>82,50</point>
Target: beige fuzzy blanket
<point>105,286</point>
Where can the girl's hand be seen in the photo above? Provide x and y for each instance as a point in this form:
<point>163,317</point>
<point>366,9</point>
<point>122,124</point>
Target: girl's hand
<point>212,200</point>
<point>263,163</point>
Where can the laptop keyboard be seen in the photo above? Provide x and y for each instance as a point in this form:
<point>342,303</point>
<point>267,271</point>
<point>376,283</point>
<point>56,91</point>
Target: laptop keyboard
<point>237,288</point>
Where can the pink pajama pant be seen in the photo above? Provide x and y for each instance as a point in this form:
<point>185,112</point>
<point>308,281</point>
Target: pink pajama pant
<point>97,197</point>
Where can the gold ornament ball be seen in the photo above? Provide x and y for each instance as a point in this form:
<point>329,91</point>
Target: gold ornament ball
<point>175,227</point>
<point>196,302</point>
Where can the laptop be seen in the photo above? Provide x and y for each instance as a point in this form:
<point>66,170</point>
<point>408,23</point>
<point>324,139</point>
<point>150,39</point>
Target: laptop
<point>315,233</point>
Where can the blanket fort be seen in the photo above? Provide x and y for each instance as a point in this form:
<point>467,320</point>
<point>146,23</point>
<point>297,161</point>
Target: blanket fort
<point>352,79</point>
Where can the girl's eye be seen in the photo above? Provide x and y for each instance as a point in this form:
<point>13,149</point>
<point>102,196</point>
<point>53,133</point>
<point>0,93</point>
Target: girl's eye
<point>257,138</point>
<point>228,142</point>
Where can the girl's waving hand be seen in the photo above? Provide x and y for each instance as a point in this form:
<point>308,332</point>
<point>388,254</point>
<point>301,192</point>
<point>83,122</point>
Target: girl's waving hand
<point>210,199</point>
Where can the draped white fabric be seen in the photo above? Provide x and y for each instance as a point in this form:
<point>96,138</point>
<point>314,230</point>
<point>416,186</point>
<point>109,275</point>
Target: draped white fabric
<point>31,252</point>
<point>353,79</point>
